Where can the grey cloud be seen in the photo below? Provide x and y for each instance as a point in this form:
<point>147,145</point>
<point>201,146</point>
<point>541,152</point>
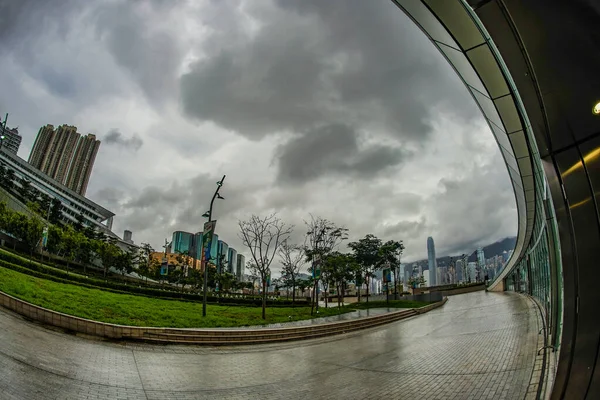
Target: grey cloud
<point>151,56</point>
<point>406,229</point>
<point>314,63</point>
<point>333,149</point>
<point>475,210</point>
<point>179,205</point>
<point>115,137</point>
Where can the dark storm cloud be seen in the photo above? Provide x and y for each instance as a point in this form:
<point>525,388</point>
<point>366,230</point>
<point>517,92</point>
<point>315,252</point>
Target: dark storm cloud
<point>333,149</point>
<point>313,63</point>
<point>115,137</point>
<point>23,19</point>
<point>151,56</point>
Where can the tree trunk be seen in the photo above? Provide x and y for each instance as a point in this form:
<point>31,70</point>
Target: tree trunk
<point>395,284</point>
<point>367,280</point>
<point>293,292</point>
<point>339,295</point>
<point>264,299</point>
<point>314,297</point>
<point>326,291</point>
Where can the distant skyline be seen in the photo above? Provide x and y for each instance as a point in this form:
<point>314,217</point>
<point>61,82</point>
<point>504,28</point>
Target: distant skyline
<point>342,109</point>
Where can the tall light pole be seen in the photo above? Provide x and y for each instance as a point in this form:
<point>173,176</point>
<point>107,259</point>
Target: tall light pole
<point>208,214</point>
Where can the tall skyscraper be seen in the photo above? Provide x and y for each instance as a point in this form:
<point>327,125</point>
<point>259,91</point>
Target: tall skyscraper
<point>241,267</point>
<point>480,264</point>
<point>12,139</point>
<point>223,254</point>
<point>182,242</point>
<point>432,261</point>
<point>232,261</point>
<point>65,155</point>
<point>80,169</point>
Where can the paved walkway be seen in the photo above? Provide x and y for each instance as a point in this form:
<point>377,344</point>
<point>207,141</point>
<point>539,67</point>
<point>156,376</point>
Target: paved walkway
<point>479,345</point>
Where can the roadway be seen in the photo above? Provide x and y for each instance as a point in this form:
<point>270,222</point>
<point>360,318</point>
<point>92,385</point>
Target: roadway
<point>479,345</point>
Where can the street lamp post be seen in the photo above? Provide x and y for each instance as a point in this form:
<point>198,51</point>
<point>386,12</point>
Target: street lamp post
<point>209,215</point>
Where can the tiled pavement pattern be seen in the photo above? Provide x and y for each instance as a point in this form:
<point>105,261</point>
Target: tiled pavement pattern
<point>478,346</point>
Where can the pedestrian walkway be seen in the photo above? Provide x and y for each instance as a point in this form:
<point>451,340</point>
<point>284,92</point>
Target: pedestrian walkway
<point>478,346</point>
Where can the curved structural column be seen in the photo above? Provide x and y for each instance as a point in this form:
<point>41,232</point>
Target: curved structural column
<point>541,115</point>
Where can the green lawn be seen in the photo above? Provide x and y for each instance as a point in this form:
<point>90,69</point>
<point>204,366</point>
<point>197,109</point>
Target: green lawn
<point>127,309</point>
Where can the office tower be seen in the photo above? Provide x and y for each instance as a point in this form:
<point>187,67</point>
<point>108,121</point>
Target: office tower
<point>231,261</point>
<point>196,249</point>
<point>432,261</point>
<point>214,249</point>
<point>241,267</point>
<point>12,139</point>
<point>182,242</point>
<point>65,155</point>
<point>458,267</point>
<point>223,253</point>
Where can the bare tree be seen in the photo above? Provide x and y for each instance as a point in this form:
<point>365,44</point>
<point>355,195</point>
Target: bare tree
<point>263,236</point>
<point>322,237</point>
<point>292,258</point>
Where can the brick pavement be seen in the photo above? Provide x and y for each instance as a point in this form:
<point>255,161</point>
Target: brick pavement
<point>478,346</point>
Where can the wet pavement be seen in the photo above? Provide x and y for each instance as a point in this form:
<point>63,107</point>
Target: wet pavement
<point>477,346</point>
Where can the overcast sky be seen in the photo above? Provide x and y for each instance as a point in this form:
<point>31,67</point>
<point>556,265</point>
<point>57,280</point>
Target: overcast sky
<point>342,109</point>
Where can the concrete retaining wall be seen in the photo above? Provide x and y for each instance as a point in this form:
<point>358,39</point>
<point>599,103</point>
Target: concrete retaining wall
<point>201,336</point>
<point>427,297</point>
<point>462,290</point>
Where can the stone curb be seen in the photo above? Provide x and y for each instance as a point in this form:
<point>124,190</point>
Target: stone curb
<point>202,336</point>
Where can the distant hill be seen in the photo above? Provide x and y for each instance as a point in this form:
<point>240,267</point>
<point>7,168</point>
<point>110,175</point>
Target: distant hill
<point>496,249</point>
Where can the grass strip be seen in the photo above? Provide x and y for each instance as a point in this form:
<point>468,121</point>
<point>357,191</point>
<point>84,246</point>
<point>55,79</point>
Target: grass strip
<point>125,309</point>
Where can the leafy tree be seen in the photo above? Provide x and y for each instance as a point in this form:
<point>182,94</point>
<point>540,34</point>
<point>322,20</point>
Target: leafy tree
<point>196,278</point>
<point>69,244</point>
<point>109,253</point>
<point>54,239</point>
<point>368,255</point>
<point>341,268</point>
<point>144,261</point>
<point>55,211</point>
<point>292,258</point>
<point>26,229</point>
<point>322,237</point>
<point>124,261</point>
<point>390,253</point>
<point>10,178</point>
<point>45,203</point>
<point>24,190</point>
<point>3,178</point>
<point>86,249</point>
<point>263,236</point>
<point>79,224</point>
<point>5,217</point>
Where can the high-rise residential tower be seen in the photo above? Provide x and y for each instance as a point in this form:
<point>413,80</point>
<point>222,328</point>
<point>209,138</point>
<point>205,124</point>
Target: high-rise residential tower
<point>432,262</point>
<point>11,140</point>
<point>65,155</point>
<point>80,169</point>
